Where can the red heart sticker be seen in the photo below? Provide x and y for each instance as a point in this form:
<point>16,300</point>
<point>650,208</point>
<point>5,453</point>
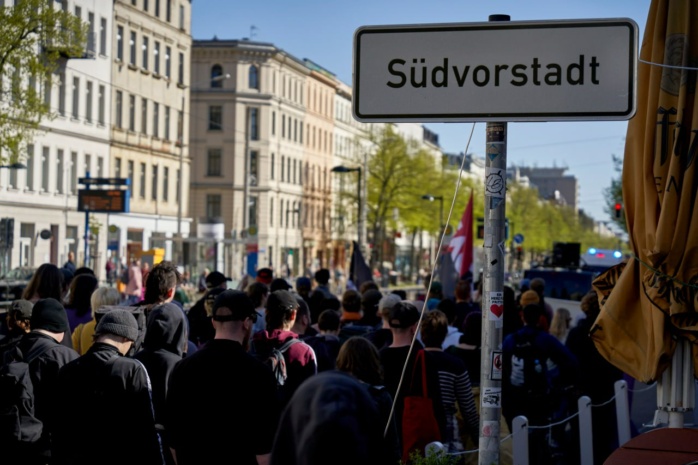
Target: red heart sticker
<point>497,309</point>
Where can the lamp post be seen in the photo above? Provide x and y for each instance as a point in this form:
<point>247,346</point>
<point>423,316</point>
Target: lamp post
<point>180,176</point>
<point>344,169</point>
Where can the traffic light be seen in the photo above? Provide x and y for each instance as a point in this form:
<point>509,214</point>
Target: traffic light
<point>618,207</point>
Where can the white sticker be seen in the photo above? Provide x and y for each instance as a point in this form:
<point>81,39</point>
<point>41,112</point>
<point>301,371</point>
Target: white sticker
<point>491,397</point>
<point>496,373</point>
<point>495,182</point>
<point>496,306</point>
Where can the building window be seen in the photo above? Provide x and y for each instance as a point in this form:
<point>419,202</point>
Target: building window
<point>156,57</point>
<point>180,127</point>
<point>165,184</point>
<point>73,181</point>
<point>60,168</point>
<point>145,5</point>
<point>283,126</point>
<point>100,167</point>
<point>214,162</point>
<point>76,97</point>
<point>30,167</point>
<point>157,8</point>
<point>215,118</point>
<point>132,113</point>
<point>273,123</point>
<point>88,102</point>
<point>142,181</point>
<point>271,212</point>
<point>45,167</point>
<point>61,94</point>
<point>91,36</point>
<point>156,119</point>
<point>213,205</point>
<point>253,211</point>
<point>253,78</point>
<point>130,176</point>
<point>154,185</point>
<point>283,162</point>
<point>120,43</point>
<point>132,44</point>
<point>144,116</point>
<point>271,167</point>
<point>103,36</point>
<point>117,167</point>
<point>216,73</point>
<point>168,11</point>
<point>48,82</point>
<point>119,109</point>
<point>180,78</point>
<point>181,17</point>
<point>179,183</point>
<point>168,62</point>
<point>167,123</point>
<point>254,123</point>
<point>101,105</point>
<point>254,167</point>
<point>145,52</point>
<point>88,164</point>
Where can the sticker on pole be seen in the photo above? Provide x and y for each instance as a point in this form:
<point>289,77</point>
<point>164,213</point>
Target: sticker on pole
<point>568,70</point>
<point>491,397</point>
<point>496,306</point>
<point>497,364</point>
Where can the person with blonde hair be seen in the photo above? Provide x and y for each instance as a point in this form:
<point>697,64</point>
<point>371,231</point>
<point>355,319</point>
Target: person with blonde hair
<point>560,325</point>
<point>84,332</point>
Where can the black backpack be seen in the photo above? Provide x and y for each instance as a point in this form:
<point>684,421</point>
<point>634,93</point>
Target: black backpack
<point>529,367</point>
<point>18,422</point>
<point>124,275</point>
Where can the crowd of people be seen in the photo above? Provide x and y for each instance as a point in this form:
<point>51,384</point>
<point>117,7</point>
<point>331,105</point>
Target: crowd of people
<point>274,372</point>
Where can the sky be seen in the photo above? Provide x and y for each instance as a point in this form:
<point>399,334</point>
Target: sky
<point>323,31</point>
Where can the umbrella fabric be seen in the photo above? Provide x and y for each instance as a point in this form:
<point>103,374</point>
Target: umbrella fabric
<point>650,301</point>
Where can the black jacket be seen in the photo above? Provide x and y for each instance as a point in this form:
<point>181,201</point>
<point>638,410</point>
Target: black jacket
<point>105,410</point>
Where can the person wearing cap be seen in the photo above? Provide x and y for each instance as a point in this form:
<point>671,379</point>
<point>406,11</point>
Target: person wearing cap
<point>17,320</point>
<point>103,401</point>
<point>280,284</point>
<point>301,363</point>
<point>220,404</point>
<point>199,319</point>
<point>49,323</point>
<point>403,318</point>
<point>265,275</point>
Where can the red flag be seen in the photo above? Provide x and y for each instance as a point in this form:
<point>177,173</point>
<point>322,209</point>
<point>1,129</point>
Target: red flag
<point>461,245</point>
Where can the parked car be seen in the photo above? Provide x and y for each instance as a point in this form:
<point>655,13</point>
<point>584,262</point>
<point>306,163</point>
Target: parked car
<point>13,283</point>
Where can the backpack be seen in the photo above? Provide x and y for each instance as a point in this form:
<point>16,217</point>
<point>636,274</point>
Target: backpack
<point>124,276</point>
<point>277,363</point>
<point>17,419</point>
<point>529,367</point>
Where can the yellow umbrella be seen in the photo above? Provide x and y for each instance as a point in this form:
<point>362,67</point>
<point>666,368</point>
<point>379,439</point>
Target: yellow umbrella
<point>649,303</point>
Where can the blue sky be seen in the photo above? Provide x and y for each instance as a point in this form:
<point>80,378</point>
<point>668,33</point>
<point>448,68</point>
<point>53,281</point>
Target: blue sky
<point>323,31</point>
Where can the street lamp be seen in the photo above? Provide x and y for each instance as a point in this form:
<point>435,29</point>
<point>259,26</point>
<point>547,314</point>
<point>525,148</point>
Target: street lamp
<point>180,177</point>
<point>440,198</point>
<point>344,169</point>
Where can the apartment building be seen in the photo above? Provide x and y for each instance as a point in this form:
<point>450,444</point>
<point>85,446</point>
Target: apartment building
<point>42,199</point>
<point>150,59</point>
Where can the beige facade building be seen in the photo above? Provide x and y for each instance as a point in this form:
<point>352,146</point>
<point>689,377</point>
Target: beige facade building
<point>151,53</point>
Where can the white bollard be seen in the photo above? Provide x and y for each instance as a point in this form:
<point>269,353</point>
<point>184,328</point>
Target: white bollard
<point>520,435</point>
<point>586,442</point>
<point>622,411</point>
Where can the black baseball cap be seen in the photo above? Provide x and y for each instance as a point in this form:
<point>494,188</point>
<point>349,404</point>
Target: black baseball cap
<point>237,302</point>
<point>403,315</point>
<point>215,279</point>
<point>281,301</point>
<point>279,284</point>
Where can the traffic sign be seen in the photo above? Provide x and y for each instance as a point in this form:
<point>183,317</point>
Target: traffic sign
<point>570,70</point>
<point>518,238</point>
<point>104,181</point>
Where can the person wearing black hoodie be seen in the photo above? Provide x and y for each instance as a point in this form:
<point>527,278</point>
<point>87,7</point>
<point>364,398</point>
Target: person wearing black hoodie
<point>164,345</point>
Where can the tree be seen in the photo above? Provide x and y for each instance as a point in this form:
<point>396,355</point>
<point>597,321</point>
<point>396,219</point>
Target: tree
<point>36,38</point>
<point>614,195</point>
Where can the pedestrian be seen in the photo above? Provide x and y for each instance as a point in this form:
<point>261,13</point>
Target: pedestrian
<point>164,345</point>
<point>77,305</point>
<point>326,343</point>
<point>18,323</point>
<point>331,419</point>
<point>49,324</point>
<point>383,336</point>
<point>560,325</point>
<point>70,264</point>
<point>83,336</point>
<point>301,363</point>
<point>320,293</point>
<point>360,358</point>
<point>113,391</point>
<point>134,287</point>
<point>200,329</point>
<point>351,317</point>
<point>258,292</point>
<point>221,402</point>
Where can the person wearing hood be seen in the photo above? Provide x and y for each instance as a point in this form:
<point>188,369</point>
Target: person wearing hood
<point>164,345</point>
<point>301,362</point>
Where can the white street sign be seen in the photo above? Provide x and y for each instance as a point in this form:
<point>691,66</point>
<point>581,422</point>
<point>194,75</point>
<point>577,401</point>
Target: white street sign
<point>570,70</point>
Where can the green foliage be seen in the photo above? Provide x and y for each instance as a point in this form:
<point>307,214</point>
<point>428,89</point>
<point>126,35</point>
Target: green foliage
<point>35,35</point>
<point>437,458</point>
<point>614,194</point>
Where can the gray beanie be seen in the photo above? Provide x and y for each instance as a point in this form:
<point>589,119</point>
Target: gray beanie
<point>118,322</point>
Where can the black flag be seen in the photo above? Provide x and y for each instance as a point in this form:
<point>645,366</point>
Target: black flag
<point>359,272</point>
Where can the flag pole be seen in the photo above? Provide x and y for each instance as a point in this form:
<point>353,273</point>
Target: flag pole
<point>493,289</point>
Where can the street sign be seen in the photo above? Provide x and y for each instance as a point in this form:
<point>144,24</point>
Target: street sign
<point>104,181</point>
<point>518,238</point>
<point>569,70</point>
